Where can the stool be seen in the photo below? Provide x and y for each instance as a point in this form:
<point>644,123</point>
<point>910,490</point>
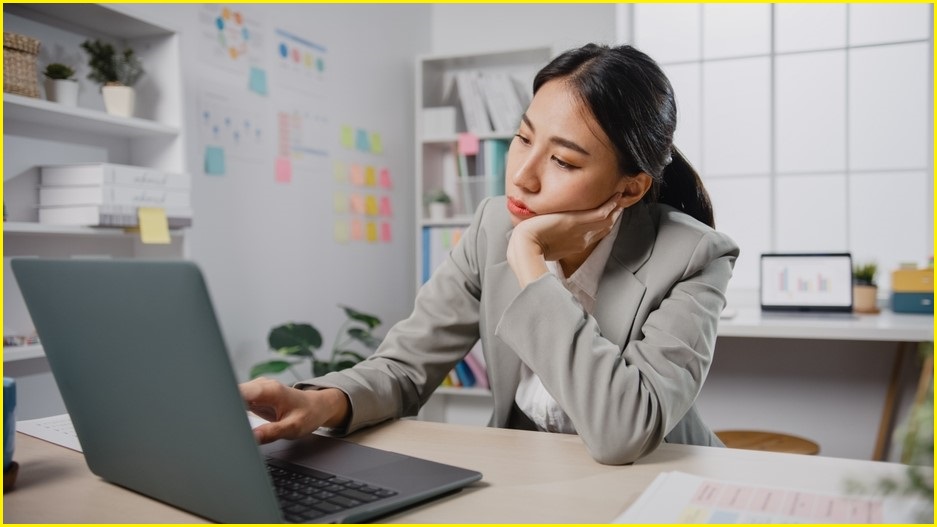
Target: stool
<point>768,441</point>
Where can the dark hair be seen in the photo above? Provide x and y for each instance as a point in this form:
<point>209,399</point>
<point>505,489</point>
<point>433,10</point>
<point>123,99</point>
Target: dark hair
<point>633,102</point>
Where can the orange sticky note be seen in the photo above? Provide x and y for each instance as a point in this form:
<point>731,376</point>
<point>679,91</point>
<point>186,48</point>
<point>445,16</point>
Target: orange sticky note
<point>370,205</point>
<point>154,227</point>
<point>357,204</point>
<point>468,144</point>
<point>385,232</point>
<point>357,175</point>
<point>357,230</point>
<point>372,231</point>
<point>370,178</point>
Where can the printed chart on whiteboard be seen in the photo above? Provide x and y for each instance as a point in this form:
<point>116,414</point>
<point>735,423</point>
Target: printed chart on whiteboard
<point>230,131</point>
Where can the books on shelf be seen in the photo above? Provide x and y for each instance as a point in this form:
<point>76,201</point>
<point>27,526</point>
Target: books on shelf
<point>108,194</point>
<point>489,100</point>
<point>470,372</point>
<point>469,94</point>
<point>437,242</point>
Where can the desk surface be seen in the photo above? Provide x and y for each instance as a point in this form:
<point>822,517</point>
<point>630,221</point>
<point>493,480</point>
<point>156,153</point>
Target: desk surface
<point>885,326</point>
<point>528,477</point>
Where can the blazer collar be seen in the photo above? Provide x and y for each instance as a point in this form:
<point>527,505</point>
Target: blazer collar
<point>635,237</point>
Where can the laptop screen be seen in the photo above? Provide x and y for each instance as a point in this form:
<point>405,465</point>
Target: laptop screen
<point>806,282</point>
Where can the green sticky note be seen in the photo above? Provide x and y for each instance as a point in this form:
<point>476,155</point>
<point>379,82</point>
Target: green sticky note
<point>348,137</point>
<point>377,147</point>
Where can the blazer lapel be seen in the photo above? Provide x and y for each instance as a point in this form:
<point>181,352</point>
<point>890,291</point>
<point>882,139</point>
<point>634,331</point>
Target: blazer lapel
<point>502,286</point>
<point>620,293</point>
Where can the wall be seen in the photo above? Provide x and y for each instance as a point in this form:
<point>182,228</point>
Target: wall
<point>269,249</point>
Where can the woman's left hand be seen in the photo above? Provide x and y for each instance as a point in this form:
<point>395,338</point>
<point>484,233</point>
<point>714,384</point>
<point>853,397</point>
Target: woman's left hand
<point>558,235</point>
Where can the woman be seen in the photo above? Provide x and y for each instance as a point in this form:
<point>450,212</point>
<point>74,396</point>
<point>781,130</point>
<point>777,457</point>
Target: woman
<point>595,285</point>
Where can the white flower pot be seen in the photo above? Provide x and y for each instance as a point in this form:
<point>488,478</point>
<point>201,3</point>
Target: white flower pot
<point>62,91</point>
<point>438,211</point>
<point>118,100</point>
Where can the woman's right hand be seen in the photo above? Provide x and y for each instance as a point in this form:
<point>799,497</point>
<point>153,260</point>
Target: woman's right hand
<point>292,412</point>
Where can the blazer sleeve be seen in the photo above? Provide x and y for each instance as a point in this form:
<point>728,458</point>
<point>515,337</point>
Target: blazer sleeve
<point>419,351</point>
<point>624,401</point>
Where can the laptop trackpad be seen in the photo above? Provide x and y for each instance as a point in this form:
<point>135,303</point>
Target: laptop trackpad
<point>331,455</point>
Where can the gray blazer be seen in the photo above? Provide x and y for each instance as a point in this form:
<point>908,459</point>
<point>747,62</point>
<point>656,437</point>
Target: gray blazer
<point>627,378</point>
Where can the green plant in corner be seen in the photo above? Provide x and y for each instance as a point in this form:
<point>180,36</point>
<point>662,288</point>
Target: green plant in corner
<point>108,67</point>
<point>58,71</point>
<point>297,343</point>
<point>864,273</point>
<point>437,196</point>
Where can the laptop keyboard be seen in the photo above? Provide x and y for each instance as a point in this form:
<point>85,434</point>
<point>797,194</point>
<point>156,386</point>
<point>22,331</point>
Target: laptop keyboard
<point>307,495</point>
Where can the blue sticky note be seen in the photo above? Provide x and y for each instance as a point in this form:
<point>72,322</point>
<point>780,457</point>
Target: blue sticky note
<point>258,80</point>
<point>362,142</point>
<point>214,160</point>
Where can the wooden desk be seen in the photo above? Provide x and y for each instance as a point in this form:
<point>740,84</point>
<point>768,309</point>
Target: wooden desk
<point>528,477</point>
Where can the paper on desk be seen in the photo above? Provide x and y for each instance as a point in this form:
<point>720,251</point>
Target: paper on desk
<point>676,497</point>
<point>58,429</point>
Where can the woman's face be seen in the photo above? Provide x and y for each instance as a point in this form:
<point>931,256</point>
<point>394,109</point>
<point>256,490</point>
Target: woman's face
<point>560,160</point>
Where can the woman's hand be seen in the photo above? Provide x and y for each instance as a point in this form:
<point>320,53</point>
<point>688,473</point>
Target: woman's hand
<point>292,413</point>
<point>558,236</point>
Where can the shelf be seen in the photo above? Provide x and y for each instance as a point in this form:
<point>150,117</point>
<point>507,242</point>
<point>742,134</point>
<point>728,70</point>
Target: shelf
<point>455,221</point>
<point>466,392</point>
<point>448,140</point>
<point>38,111</point>
<point>29,228</point>
<point>15,353</point>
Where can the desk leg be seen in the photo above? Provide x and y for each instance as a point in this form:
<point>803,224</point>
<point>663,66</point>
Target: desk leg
<point>892,397</point>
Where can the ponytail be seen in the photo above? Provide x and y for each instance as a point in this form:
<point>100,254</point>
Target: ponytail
<point>682,189</point>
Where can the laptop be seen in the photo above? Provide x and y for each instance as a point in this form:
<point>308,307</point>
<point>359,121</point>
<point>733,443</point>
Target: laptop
<point>806,283</point>
<point>139,359</point>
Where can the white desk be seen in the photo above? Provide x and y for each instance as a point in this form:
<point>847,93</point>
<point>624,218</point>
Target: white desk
<point>885,326</point>
<point>528,477</point>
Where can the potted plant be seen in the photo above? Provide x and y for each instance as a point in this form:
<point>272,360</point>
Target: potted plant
<point>60,84</point>
<point>437,203</point>
<point>116,72</point>
<point>296,343</point>
<point>864,289</point>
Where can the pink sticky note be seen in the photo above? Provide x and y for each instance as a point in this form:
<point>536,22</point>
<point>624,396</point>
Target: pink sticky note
<point>357,204</point>
<point>468,144</point>
<point>357,175</point>
<point>357,230</point>
<point>284,170</point>
<point>385,232</point>
<point>385,178</point>
<point>385,206</point>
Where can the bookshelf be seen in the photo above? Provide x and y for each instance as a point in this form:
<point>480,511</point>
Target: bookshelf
<point>38,132</point>
<point>437,167</point>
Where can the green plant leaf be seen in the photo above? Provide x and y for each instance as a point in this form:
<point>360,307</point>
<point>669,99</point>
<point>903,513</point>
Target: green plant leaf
<point>295,335</point>
<point>357,357</point>
<point>365,337</point>
<point>343,365</point>
<point>294,351</point>
<point>320,368</point>
<point>269,367</point>
<point>370,320</point>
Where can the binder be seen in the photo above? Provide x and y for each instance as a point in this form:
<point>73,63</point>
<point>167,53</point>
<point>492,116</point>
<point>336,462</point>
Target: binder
<point>111,174</point>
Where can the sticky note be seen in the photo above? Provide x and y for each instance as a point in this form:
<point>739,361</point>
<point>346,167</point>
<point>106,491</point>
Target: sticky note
<point>357,175</point>
<point>154,227</point>
<point>341,232</point>
<point>340,202</point>
<point>258,80</point>
<point>357,230</point>
<point>385,178</point>
<point>284,170</point>
<point>348,138</point>
<point>361,140</point>
<point>377,146</point>
<point>370,178</point>
<point>372,232</point>
<point>468,144</point>
<point>385,232</point>
<point>357,204</point>
<point>214,160</point>
<point>339,172</point>
<point>385,206</point>
<point>370,205</point>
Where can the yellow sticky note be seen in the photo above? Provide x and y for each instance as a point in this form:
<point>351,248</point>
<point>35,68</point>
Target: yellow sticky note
<point>341,232</point>
<point>340,202</point>
<point>372,231</point>
<point>377,146</point>
<point>370,176</point>
<point>370,206</point>
<point>154,227</point>
<point>348,137</point>
<point>340,172</point>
